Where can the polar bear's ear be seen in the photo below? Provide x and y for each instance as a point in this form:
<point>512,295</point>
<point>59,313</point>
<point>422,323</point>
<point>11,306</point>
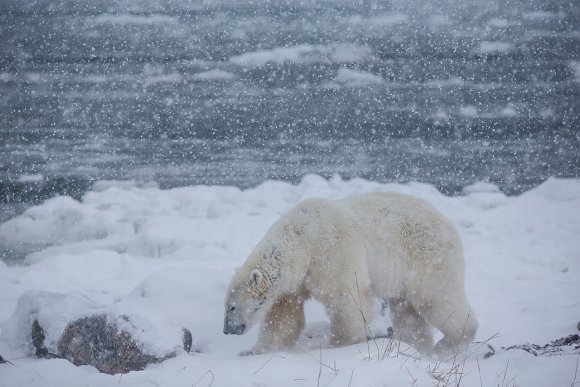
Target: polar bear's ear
<point>256,277</point>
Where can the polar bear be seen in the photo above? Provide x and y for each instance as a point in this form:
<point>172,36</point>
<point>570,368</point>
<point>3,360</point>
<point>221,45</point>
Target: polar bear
<point>343,253</point>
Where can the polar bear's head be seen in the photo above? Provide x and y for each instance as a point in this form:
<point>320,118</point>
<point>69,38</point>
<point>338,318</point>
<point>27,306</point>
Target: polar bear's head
<point>247,296</point>
<point>275,266</point>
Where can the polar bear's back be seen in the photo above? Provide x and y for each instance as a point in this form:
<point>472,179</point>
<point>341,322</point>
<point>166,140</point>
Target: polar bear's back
<point>377,207</point>
<point>383,210</point>
<point>404,234</point>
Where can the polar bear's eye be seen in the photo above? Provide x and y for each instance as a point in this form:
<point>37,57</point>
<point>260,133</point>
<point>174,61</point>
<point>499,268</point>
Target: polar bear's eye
<point>231,308</point>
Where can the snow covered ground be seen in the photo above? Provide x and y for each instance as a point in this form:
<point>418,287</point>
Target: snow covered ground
<point>165,257</point>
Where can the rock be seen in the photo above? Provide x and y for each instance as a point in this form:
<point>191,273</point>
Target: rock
<point>569,345</point>
<point>98,342</point>
<point>187,340</point>
<point>568,341</point>
<point>4,361</point>
<point>121,337</point>
<point>489,353</point>
<point>38,337</point>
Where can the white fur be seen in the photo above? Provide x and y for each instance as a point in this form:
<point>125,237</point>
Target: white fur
<point>343,253</point>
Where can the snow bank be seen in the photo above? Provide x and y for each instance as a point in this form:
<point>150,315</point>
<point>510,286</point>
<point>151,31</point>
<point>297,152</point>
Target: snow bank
<point>52,310</point>
<point>164,258</point>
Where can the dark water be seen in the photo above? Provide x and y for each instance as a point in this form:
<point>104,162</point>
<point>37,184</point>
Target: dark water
<point>431,91</point>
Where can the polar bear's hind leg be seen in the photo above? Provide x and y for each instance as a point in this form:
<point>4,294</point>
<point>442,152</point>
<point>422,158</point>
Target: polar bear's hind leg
<point>409,326</point>
<point>454,317</point>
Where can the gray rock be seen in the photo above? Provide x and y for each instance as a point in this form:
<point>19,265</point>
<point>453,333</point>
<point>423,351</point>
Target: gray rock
<point>4,361</point>
<point>187,340</point>
<point>38,336</point>
<point>569,345</point>
<point>74,327</point>
<point>99,342</point>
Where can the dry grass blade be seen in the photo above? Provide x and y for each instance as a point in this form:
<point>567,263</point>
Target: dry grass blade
<point>452,371</point>
<point>479,371</point>
<point>358,303</point>
<point>574,381</point>
<point>505,373</point>
<point>267,361</point>
<point>446,377</point>
<point>203,376</point>
<point>332,368</point>
<point>351,375</point>
<point>510,381</point>
<point>413,379</point>
<point>389,347</point>
<point>319,369</point>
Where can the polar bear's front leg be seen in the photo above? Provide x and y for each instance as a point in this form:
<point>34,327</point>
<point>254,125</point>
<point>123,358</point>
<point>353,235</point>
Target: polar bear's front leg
<point>282,325</point>
<point>348,320</point>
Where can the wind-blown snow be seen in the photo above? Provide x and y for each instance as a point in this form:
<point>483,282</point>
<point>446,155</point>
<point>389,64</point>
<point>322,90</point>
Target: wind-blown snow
<point>164,257</point>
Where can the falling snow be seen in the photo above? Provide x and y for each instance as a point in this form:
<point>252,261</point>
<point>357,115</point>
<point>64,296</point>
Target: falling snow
<point>164,136</point>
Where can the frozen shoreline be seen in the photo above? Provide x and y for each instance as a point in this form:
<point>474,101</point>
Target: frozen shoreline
<point>181,246</point>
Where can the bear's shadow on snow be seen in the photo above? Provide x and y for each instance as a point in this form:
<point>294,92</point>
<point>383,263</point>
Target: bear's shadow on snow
<point>316,335</point>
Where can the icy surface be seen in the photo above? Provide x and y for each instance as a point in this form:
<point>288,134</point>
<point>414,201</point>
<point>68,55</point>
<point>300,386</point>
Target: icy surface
<point>165,257</point>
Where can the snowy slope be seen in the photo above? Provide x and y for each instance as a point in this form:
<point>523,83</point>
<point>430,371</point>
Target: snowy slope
<point>166,256</point>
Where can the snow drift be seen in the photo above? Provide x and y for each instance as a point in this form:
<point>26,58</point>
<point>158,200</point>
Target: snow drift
<point>165,257</point>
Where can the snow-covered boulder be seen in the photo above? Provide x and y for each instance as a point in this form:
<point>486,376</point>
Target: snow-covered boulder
<point>99,341</point>
<point>146,326</point>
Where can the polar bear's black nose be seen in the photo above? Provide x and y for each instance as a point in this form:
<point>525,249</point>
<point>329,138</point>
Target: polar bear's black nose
<point>230,329</point>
